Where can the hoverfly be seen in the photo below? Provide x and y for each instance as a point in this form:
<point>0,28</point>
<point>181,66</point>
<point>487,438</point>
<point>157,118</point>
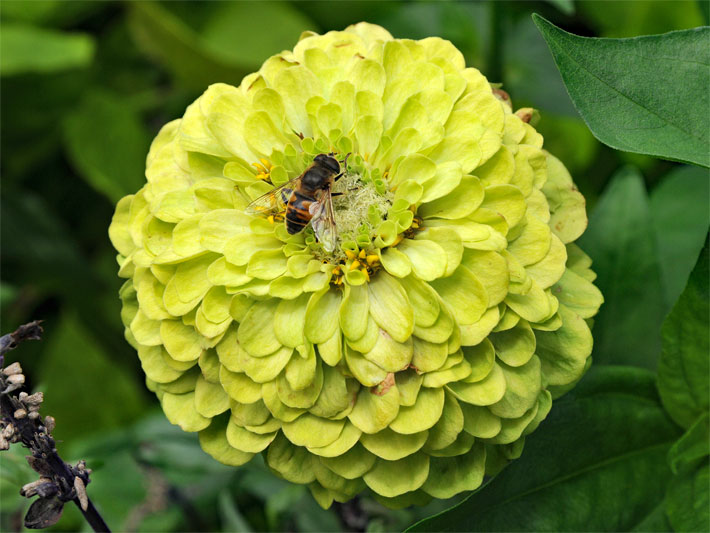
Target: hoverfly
<point>306,198</point>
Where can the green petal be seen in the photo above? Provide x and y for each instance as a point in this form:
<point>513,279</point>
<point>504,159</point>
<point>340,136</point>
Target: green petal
<point>564,352</point>
<point>240,248</point>
<point>485,392</point>
<point>424,301</point>
<point>313,431</point>
<point>390,307</point>
<point>210,398</point>
<point>354,311</point>
<point>408,383</point>
<point>389,354</point>
<point>300,371</point>
<point>447,178</point>
<point>450,424</point>
<point>425,412</point>
<point>246,441</point>
<point>512,428</point>
<point>322,315</point>
<point>250,414</point>
<point>491,269</point>
<point>180,410</point>
<point>331,351</point>
<point>479,421</point>
<point>266,264</point>
<point>568,218</point>
<point>533,243</point>
<point>256,332</point>
<point>440,331</point>
<point>293,463</point>
<point>223,273</point>
<point>576,293</point>
<point>429,356</point>
<point>341,446</point>
<point>395,262</point>
<point>428,259</point>
<point>462,444</point>
<point>523,384</point>
<point>289,321</point>
<point>352,464</point>
<point>515,346</point>
<point>303,398</point>
<point>239,386</point>
<point>281,411</point>
<point>506,200</point>
<point>534,306</point>
<point>464,294</point>
<point>182,342</point>
<point>481,359</point>
<point>474,334</point>
<point>374,411</point>
<point>220,225</point>
<point>498,170</point>
<point>145,331</point>
<point>451,475</point>
<point>550,268</point>
<point>335,397</point>
<point>154,365</point>
<point>214,441</point>
<point>368,340</point>
<point>459,203</point>
<point>451,243</point>
<point>392,478</point>
<point>392,446</point>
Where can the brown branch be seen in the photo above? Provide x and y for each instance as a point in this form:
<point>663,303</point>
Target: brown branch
<point>20,421</point>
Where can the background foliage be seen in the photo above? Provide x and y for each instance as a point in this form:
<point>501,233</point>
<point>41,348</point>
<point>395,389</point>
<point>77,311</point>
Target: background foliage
<point>86,86</point>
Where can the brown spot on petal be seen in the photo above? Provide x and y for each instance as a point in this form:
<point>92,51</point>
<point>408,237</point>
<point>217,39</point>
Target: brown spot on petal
<point>384,386</point>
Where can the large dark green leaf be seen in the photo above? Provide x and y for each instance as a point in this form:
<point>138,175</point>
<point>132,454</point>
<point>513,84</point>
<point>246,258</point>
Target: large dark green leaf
<point>688,504</point>
<point>679,210</point>
<point>84,390</point>
<point>225,41</point>
<point>622,245</point>
<point>596,464</point>
<point>107,143</point>
<point>646,94</point>
<point>684,368</point>
<point>633,17</point>
<point>29,49</point>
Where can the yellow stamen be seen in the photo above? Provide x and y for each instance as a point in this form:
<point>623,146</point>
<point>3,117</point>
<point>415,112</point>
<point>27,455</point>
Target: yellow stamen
<point>267,164</point>
<point>336,270</point>
<point>397,240</point>
<point>362,254</point>
<point>270,218</point>
<point>372,259</point>
<point>354,265</point>
<point>350,254</point>
<point>367,274</point>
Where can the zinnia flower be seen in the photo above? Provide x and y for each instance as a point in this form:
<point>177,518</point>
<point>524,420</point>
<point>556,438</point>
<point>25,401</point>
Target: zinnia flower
<point>414,357</point>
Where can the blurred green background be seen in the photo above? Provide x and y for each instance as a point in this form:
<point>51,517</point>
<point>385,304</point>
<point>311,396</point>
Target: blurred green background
<point>85,86</point>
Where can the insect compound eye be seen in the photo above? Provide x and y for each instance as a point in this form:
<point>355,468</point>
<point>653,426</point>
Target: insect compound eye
<point>330,163</point>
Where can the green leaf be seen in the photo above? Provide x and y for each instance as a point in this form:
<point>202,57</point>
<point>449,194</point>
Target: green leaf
<point>622,245</point>
<point>223,43</point>
<point>566,6</point>
<point>688,505</point>
<point>107,143</point>
<point>614,84</point>
<point>26,49</point>
<point>231,518</point>
<point>83,389</point>
<point>684,368</point>
<point>680,218</point>
<point>596,464</point>
<point>629,19</point>
<point>693,446</point>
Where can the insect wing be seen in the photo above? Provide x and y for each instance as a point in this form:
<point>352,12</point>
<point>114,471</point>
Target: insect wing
<point>274,201</point>
<point>323,221</point>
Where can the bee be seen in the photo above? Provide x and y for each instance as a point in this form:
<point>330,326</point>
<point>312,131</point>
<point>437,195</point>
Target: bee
<point>306,198</point>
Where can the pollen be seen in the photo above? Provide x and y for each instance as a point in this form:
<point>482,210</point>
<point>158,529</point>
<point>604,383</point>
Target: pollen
<point>263,169</point>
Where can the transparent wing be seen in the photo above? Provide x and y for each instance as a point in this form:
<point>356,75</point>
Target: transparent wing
<point>274,201</point>
<point>323,221</point>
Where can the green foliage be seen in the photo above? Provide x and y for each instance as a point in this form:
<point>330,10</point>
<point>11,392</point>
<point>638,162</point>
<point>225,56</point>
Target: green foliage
<point>30,49</point>
<point>623,248</point>
<point>684,370</point>
<point>605,442</point>
<point>106,141</point>
<point>614,84</point>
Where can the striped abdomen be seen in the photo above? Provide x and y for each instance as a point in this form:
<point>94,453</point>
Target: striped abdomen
<point>297,214</point>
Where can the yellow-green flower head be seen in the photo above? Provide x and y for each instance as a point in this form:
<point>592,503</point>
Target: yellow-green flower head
<point>414,357</point>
